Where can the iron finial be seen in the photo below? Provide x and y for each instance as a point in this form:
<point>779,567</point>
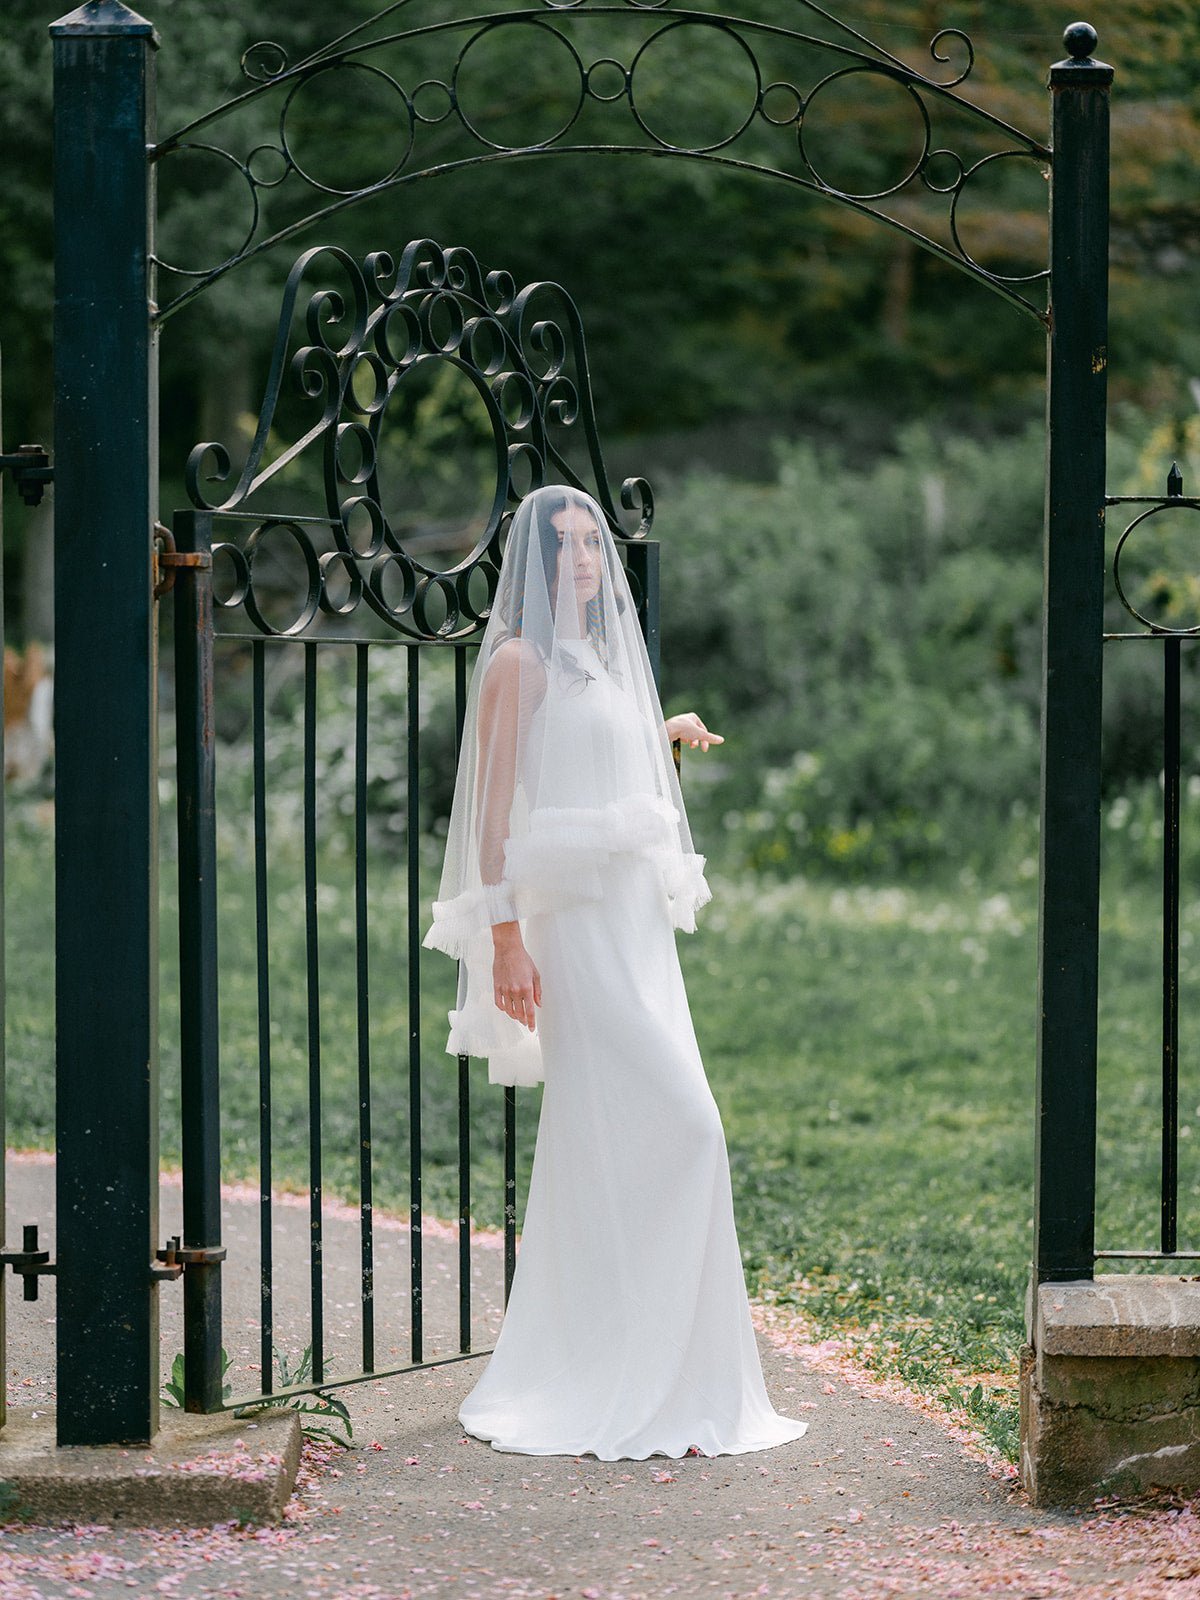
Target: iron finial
<point>1174,482</point>
<point>1080,39</point>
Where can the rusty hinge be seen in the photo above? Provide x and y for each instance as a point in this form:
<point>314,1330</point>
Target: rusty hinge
<point>29,1262</point>
<point>31,470</point>
<point>166,555</point>
<point>175,1258</point>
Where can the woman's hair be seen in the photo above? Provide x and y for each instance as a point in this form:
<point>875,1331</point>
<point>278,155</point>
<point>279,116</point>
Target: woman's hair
<point>553,502</point>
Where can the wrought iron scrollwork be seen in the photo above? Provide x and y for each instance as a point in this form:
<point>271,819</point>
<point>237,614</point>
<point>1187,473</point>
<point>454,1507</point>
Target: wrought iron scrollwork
<point>1174,500</point>
<point>779,116</point>
<point>367,327</point>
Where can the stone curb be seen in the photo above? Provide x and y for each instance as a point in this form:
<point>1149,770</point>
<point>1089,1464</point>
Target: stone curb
<point>198,1470</point>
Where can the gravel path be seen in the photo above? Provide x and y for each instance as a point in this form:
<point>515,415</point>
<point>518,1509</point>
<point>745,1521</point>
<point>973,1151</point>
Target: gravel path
<point>880,1498</point>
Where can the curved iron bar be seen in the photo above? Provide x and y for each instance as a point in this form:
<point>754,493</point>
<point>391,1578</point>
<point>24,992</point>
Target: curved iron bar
<point>523,350</point>
<point>339,47</point>
<point>995,282</point>
<point>1174,500</point>
<point>798,110</point>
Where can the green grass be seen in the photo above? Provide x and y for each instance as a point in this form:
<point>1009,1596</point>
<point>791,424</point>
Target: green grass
<point>871,1049</point>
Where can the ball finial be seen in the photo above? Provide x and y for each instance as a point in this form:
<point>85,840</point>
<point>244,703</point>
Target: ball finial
<point>1080,39</point>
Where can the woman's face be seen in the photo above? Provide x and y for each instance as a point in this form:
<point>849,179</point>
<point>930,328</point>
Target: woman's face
<point>578,547</point>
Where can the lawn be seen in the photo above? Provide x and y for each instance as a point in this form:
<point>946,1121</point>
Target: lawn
<point>871,1049</point>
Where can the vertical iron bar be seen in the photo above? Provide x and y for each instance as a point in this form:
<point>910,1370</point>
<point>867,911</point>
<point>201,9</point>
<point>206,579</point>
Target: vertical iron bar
<point>1072,628</point>
<point>510,1188</point>
<point>642,563</point>
<point>266,1269</point>
<point>413,797</point>
<point>199,1051</point>
<point>105,735</point>
<point>1170,951</point>
<point>314,1010</point>
<point>364,1008</point>
<point>3,1055</point>
<point>464,1070</point>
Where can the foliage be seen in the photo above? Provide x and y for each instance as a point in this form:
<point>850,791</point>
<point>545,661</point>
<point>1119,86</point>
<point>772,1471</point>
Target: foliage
<point>312,1408</point>
<point>868,642</point>
<point>173,1392</point>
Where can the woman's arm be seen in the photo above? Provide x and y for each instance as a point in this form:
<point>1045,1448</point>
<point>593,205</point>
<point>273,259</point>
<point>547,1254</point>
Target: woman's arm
<point>514,683</point>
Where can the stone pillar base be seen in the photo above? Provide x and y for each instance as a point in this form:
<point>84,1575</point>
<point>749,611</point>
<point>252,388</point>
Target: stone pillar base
<point>1110,1389</point>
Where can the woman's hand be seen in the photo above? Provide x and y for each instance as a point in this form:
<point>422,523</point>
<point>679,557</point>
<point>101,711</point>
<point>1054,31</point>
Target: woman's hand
<point>516,982</point>
<point>688,727</point>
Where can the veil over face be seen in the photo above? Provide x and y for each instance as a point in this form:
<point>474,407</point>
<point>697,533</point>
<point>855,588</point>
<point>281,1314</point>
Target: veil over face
<point>565,762</point>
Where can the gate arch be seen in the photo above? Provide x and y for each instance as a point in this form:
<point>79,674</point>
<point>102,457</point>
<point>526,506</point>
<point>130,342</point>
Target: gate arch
<point>108,318</point>
<point>777,108</point>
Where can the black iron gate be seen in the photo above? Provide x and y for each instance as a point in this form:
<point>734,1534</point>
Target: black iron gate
<point>114,296</point>
<point>362,590</point>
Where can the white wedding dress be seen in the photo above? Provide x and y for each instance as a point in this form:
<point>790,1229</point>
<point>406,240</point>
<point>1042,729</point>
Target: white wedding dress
<point>627,1332</point>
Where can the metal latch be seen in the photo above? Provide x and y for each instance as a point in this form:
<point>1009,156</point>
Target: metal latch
<point>30,1262</point>
<point>166,556</point>
<point>175,1258</point>
<point>31,471</point>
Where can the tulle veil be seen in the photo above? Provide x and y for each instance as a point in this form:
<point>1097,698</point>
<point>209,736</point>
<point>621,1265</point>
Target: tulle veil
<point>564,763</point>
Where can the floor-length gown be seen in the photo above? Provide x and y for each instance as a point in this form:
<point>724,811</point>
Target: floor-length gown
<point>627,1332</point>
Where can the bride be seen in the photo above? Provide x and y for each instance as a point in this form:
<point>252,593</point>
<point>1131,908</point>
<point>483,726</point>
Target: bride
<point>568,865</point>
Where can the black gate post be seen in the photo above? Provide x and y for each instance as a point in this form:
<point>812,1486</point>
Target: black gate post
<point>195,759</point>
<point>1069,899</point>
<point>106,845</point>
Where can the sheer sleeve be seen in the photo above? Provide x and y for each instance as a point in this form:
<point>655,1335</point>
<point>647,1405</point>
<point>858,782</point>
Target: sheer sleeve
<point>513,687</point>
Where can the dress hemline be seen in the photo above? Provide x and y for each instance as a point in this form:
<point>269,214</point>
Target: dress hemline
<point>644,1455</point>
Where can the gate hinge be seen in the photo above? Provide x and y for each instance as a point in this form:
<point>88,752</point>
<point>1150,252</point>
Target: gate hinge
<point>31,470</point>
<point>175,1258</point>
<point>29,1262</point>
<point>166,555</point>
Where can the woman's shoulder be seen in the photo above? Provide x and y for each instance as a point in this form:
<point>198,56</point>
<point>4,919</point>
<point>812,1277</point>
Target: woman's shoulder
<point>514,657</point>
<point>515,667</point>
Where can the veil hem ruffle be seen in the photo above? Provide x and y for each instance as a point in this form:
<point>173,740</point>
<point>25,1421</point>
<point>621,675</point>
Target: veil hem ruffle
<point>558,864</point>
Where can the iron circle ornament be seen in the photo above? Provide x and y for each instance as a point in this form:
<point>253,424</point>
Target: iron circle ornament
<point>368,397</point>
<point>533,28</point>
<point>1173,503</point>
<point>254,546</point>
<point>357,508</point>
<point>352,436</point>
<point>389,561</point>
<point>437,90</point>
<point>308,84</point>
<point>436,583</point>
<point>605,64</point>
<point>697,28</point>
<point>268,166</point>
<point>329,560</point>
<point>842,75</point>
<point>409,330</point>
<point>442,323</point>
<point>957,194</point>
<point>226,550</point>
<point>778,115</point>
<point>194,147</point>
<point>952,182</point>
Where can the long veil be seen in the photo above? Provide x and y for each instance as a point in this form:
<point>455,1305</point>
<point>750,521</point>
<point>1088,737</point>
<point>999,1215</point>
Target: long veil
<point>565,762</point>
